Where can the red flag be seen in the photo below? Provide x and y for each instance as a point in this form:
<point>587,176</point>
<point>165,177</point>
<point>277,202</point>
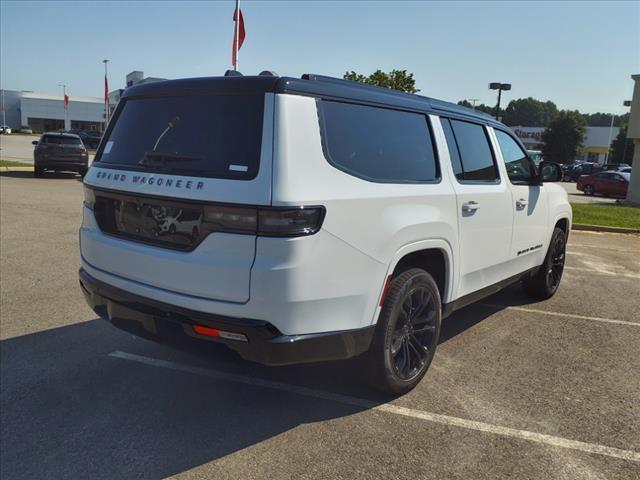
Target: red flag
<point>66,102</point>
<point>238,34</point>
<point>106,89</point>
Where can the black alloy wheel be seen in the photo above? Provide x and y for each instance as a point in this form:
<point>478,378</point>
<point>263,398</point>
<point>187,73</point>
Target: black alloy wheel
<point>545,282</point>
<point>413,336</point>
<point>555,267</point>
<point>589,190</point>
<point>407,332</point>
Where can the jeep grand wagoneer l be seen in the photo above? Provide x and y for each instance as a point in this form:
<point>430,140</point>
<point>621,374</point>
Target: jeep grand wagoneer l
<point>303,220</point>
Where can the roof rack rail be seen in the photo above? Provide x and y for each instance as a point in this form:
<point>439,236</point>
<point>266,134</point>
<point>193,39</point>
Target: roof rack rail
<point>268,73</point>
<point>233,73</point>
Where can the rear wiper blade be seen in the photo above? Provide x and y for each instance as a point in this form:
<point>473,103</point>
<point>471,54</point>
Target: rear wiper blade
<point>164,158</point>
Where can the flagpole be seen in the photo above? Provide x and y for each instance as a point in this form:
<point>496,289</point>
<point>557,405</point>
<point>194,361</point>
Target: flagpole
<point>106,96</point>
<point>237,35</point>
<point>64,104</point>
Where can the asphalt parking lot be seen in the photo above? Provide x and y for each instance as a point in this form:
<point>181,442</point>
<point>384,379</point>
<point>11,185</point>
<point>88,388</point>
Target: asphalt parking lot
<point>516,390</point>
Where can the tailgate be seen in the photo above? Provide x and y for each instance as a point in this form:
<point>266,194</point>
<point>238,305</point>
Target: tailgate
<point>170,188</point>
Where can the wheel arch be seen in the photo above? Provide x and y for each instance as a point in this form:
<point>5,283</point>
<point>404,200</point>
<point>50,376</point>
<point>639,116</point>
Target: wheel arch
<point>435,256</point>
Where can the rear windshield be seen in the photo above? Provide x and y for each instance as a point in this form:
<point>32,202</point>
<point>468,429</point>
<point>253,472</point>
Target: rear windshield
<point>60,140</point>
<point>214,136</point>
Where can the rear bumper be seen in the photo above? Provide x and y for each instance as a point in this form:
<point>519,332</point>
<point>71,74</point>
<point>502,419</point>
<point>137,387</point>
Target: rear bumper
<point>70,163</point>
<point>174,325</point>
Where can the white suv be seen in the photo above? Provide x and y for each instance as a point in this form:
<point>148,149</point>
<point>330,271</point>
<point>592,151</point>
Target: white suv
<point>326,219</point>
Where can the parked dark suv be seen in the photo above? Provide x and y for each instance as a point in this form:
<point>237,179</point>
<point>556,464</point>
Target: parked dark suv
<point>586,168</point>
<point>58,152</point>
<point>89,138</point>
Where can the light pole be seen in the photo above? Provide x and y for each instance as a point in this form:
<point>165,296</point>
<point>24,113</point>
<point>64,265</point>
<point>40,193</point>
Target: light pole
<point>106,95</point>
<point>64,103</point>
<point>500,87</point>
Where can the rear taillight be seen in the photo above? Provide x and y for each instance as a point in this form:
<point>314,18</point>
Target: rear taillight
<point>265,221</point>
<point>231,219</point>
<point>262,221</point>
<point>289,222</point>
<point>89,198</point>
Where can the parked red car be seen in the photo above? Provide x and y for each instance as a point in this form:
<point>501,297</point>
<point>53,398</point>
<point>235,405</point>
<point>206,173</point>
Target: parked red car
<point>605,183</point>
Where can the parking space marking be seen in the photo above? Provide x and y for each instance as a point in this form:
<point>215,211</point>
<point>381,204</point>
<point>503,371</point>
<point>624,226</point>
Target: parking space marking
<point>598,247</point>
<point>542,438</point>
<point>560,314</point>
<point>599,271</point>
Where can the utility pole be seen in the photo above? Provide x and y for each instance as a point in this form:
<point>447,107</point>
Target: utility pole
<point>473,102</point>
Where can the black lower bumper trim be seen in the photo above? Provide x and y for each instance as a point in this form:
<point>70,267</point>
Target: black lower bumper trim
<point>171,325</point>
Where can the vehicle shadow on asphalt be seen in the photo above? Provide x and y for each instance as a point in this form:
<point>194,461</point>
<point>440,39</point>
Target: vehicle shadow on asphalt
<point>69,410</point>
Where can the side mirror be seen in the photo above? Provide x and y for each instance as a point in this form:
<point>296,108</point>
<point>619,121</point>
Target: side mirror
<point>35,142</point>
<point>550,172</point>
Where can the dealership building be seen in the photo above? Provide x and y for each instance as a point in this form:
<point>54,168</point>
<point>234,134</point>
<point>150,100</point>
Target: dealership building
<point>595,145</point>
<point>43,112</point>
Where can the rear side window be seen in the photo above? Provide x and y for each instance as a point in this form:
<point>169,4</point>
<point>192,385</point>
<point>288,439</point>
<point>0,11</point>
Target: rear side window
<point>60,140</point>
<point>378,144</point>
<point>469,145</point>
<point>216,136</point>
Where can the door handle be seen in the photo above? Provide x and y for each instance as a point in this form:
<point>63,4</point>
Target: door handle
<point>520,204</point>
<point>470,207</point>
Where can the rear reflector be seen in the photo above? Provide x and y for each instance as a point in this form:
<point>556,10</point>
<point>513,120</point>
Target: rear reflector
<point>214,332</point>
<point>207,331</point>
<point>385,289</point>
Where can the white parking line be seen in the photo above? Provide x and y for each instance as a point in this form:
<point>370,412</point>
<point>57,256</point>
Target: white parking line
<point>595,248</point>
<point>599,271</point>
<point>559,314</point>
<point>389,408</point>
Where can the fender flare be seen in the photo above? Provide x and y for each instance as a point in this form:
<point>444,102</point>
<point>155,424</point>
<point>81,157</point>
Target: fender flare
<point>429,244</point>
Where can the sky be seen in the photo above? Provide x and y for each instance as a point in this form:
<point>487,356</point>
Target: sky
<point>580,55</point>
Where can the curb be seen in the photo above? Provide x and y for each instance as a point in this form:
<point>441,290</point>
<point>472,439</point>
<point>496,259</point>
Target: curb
<point>598,228</point>
<point>17,169</point>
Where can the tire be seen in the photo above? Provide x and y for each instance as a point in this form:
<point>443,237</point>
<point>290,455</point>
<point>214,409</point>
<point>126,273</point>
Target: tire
<point>545,282</point>
<point>589,190</point>
<point>406,334</point>
<point>38,172</point>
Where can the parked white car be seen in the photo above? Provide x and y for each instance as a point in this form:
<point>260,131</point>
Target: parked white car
<point>334,219</point>
<point>5,129</point>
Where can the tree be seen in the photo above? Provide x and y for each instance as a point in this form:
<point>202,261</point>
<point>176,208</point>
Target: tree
<point>480,108</point>
<point>618,153</point>
<point>604,119</point>
<point>395,79</point>
<point>563,137</point>
<point>529,112</point>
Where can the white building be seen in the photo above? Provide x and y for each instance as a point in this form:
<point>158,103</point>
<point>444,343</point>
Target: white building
<point>44,112</point>
<point>595,146</point>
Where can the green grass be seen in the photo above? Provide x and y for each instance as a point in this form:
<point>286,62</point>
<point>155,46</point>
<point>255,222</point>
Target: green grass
<point>612,215</point>
<point>10,163</point>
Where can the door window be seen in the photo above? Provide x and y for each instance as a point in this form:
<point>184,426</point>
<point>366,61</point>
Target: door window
<point>471,155</point>
<point>519,167</point>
